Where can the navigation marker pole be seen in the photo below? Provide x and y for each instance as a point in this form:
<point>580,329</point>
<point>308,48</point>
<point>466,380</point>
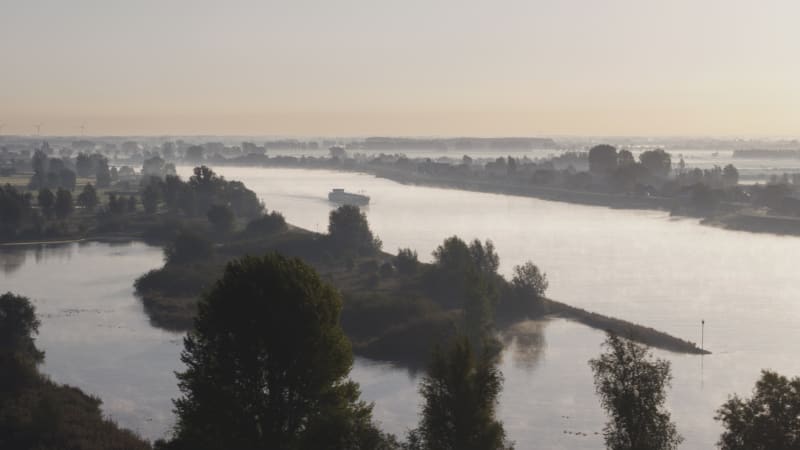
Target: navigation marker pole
<point>702,349</point>
<point>702,334</point>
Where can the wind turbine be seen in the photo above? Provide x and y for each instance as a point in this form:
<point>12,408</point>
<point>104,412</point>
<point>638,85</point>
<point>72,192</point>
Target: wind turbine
<point>83,128</point>
<point>38,127</point>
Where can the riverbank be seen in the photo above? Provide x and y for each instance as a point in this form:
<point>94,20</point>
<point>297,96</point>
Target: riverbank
<point>728,215</point>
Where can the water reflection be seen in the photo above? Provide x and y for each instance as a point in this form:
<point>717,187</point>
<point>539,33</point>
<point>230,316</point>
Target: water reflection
<point>525,342</point>
<point>12,258</point>
<point>60,251</point>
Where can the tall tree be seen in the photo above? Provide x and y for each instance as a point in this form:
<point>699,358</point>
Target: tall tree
<point>83,164</point>
<point>769,420</point>
<point>349,231</point>
<point>14,206</point>
<point>63,205</point>
<point>602,158</point>
<point>46,200</point>
<point>658,162</point>
<point>460,393</point>
<point>221,218</point>
<point>150,195</point>
<point>267,362</point>
<point>102,172</point>
<point>88,197</point>
<point>18,353</point>
<point>631,386</point>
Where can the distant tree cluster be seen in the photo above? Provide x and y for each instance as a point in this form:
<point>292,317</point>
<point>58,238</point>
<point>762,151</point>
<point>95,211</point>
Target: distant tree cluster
<point>204,191</point>
<point>50,173</point>
<point>267,224</point>
<point>15,207</point>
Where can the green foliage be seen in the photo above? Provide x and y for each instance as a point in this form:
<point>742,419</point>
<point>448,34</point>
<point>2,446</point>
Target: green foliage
<point>267,364</point>
<point>116,204</point>
<point>46,200</point>
<point>88,197</point>
<point>349,232</point>
<point>63,205</point>
<point>769,420</point>
<point>658,162</point>
<point>484,257</point>
<point>406,261</point>
<point>14,207</point>
<point>479,314</point>
<point>102,172</point>
<point>730,175</point>
<point>453,255</point>
<point>130,204</point>
<point>460,394</point>
<point>221,218</point>
<point>267,224</point>
<point>188,247</point>
<point>150,195</point>
<point>631,386</point>
<point>529,280</point>
<point>83,164</point>
<point>18,353</point>
<point>602,158</point>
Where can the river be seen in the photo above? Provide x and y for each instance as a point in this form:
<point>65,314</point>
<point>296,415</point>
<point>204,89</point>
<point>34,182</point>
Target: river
<point>636,265</point>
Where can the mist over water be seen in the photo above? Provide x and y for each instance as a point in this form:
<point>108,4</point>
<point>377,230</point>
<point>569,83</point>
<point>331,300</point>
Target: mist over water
<point>641,266</point>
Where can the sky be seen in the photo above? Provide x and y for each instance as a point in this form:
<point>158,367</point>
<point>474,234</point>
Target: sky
<point>410,67</point>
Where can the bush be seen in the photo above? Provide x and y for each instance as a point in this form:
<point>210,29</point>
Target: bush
<point>188,247</point>
<point>406,261</point>
<point>267,224</point>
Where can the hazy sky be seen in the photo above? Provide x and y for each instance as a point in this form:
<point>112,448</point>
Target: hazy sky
<point>401,67</point>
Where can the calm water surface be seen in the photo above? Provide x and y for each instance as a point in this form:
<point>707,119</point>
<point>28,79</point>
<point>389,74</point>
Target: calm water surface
<point>640,266</point>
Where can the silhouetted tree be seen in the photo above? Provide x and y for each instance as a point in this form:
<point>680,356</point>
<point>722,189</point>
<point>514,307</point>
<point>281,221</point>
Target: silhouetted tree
<point>172,191</point>
<point>460,393</point>
<point>116,204</point>
<point>88,197</point>
<point>349,231</point>
<point>67,179</point>
<point>83,164</point>
<point>150,196</point>
<point>188,247</point>
<point>46,200</point>
<point>484,256</point>
<point>657,162</point>
<point>267,224</point>
<point>195,153</point>
<point>18,353</point>
<point>631,386</point>
<point>102,173</point>
<point>221,218</point>
<point>730,175</point>
<point>153,166</point>
<point>14,206</point>
<point>266,365</point>
<point>530,280</point>
<point>406,261</point>
<point>63,205</point>
<point>130,204</point>
<point>602,158</point>
<point>453,255</point>
<point>625,158</point>
<point>769,420</point>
